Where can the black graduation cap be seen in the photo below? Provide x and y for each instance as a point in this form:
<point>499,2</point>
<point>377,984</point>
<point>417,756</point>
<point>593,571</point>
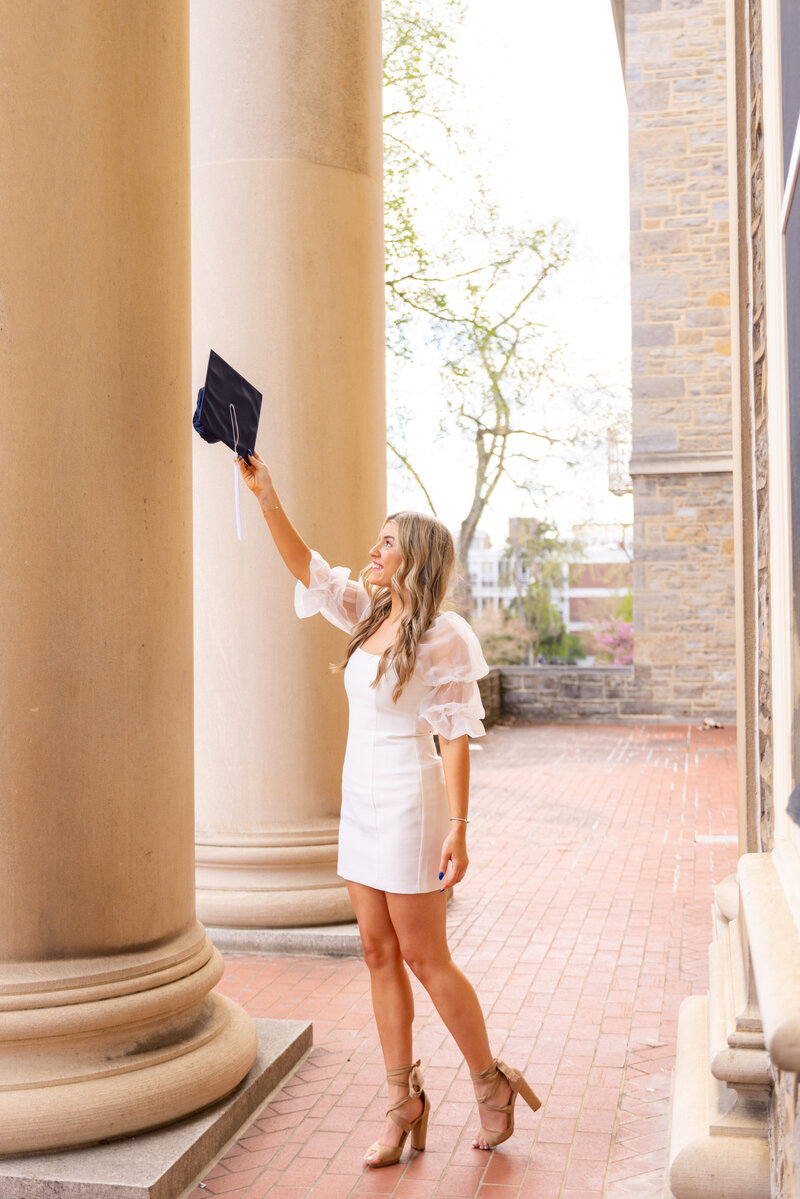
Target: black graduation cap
<point>228,408</point>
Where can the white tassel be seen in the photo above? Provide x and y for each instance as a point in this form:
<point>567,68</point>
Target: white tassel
<point>236,473</point>
<point>237,501</point>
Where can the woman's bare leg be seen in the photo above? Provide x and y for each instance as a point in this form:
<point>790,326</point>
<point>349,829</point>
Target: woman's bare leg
<point>419,922</point>
<point>392,1000</point>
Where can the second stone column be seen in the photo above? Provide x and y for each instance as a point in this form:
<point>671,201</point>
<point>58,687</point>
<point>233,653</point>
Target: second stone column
<point>288,287</point>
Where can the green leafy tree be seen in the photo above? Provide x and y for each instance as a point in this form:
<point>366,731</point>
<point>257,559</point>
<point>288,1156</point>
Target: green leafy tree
<point>624,609</point>
<point>536,559</point>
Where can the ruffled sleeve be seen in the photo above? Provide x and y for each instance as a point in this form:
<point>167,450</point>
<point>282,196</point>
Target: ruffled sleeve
<point>341,600</point>
<point>450,662</point>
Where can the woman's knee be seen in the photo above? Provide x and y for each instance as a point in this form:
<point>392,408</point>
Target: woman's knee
<point>381,953</point>
<point>425,962</point>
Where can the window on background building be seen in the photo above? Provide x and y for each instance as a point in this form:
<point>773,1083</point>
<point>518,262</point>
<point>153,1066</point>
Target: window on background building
<point>790,56</point>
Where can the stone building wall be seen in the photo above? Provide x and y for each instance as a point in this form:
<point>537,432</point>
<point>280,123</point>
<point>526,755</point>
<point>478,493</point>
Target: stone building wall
<point>753,375</point>
<point>745,1056</point>
<point>785,1135</point>
<point>683,595</point>
<point>756,396</point>
<point>681,466</point>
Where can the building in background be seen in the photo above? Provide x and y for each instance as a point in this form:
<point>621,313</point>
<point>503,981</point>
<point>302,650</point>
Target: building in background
<point>599,581</point>
<point>592,587</point>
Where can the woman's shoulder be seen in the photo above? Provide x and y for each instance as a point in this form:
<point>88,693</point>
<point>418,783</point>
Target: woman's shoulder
<point>448,626</point>
<point>451,623</point>
<point>450,650</point>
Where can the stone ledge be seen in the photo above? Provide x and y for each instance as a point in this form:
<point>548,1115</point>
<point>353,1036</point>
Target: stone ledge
<point>164,1163</point>
<point>676,462</point>
<point>560,672</point>
<point>324,940</point>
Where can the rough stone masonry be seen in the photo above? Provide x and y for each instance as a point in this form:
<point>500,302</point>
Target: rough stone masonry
<point>675,73</point>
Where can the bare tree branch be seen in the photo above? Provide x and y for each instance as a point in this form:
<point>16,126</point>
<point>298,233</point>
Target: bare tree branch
<point>417,112</point>
<point>521,486</point>
<point>415,476</point>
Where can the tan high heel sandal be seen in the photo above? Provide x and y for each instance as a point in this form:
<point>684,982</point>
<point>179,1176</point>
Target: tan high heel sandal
<point>389,1155</point>
<point>493,1074</point>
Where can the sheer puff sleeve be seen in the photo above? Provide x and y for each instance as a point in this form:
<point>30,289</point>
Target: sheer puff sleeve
<point>450,662</point>
<point>341,600</point>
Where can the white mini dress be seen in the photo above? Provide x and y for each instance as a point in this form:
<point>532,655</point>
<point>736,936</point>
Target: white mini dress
<point>395,815</point>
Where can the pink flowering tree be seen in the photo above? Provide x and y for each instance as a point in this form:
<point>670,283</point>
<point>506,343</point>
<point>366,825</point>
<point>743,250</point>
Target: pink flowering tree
<point>614,640</point>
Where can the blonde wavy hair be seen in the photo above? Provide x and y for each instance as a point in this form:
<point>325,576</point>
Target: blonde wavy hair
<point>422,578</point>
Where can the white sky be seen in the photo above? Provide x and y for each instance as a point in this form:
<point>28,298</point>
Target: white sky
<point>543,89</point>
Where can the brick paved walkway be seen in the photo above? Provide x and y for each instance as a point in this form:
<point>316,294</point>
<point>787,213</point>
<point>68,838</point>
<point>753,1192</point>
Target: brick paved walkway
<point>583,923</point>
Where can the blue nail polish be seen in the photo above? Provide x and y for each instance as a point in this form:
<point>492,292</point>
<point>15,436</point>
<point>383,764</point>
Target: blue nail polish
<point>441,874</point>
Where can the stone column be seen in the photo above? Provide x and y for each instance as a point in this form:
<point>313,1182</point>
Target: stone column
<point>107,1020</point>
<point>287,262</point>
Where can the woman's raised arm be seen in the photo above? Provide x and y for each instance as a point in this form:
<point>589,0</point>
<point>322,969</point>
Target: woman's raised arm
<point>288,542</point>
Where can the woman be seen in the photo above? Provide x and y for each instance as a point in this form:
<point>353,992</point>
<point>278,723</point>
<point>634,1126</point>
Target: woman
<point>410,670</point>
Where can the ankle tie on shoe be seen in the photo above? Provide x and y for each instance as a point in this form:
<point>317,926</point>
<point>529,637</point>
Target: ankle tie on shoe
<point>411,1075</point>
<point>495,1072</point>
<point>487,1073</point>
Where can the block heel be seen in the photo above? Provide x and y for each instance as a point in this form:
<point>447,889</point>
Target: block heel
<point>491,1079</point>
<point>419,1129</point>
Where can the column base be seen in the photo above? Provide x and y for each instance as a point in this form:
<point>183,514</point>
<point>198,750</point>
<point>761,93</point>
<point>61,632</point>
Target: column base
<point>275,909</point>
<point>282,880</point>
<point>100,1109</point>
<point>88,1063</point>
<point>166,1161</point>
<point>316,940</point>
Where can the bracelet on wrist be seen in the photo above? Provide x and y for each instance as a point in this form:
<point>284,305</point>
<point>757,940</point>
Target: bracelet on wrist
<point>463,819</point>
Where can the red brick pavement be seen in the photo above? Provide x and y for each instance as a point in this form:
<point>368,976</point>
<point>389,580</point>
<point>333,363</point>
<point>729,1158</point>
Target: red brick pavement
<point>583,923</point>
